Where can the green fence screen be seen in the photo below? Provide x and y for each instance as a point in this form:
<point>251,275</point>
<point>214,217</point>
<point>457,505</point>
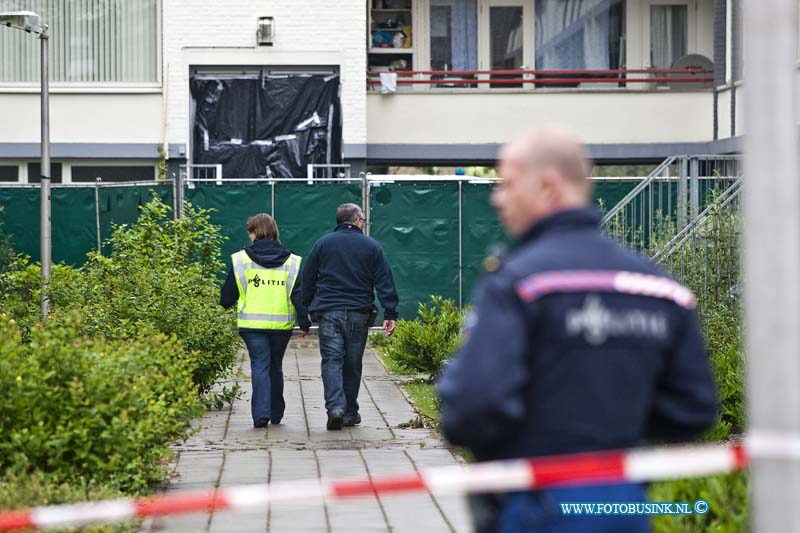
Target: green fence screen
<point>417,223</point>
<point>73,216</point>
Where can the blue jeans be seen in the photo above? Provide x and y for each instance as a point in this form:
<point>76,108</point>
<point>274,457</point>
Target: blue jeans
<point>342,339</point>
<point>266,349</point>
<point>540,511</point>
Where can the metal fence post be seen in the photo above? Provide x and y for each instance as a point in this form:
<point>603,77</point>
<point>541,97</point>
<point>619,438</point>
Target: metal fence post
<point>682,192</point>
<point>364,203</point>
<point>272,197</point>
<point>460,244</point>
<point>179,196</point>
<point>694,187</point>
<point>771,230</point>
<point>97,183</point>
<point>367,204</point>
<point>175,194</point>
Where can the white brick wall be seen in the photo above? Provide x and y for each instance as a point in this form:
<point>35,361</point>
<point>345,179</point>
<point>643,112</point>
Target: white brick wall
<point>313,32</point>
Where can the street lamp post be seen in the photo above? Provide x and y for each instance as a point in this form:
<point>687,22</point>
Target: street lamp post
<point>28,21</point>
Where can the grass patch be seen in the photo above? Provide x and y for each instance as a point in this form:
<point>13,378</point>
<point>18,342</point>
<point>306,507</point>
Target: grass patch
<point>425,399</point>
<point>389,364</point>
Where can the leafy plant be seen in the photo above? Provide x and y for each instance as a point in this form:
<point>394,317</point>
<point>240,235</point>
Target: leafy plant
<point>7,255</point>
<point>708,262</point>
<point>162,162</point>
<point>727,499</point>
<point>228,395</point>
<point>424,344</point>
<point>37,488</point>
<point>161,275</point>
<point>83,408</point>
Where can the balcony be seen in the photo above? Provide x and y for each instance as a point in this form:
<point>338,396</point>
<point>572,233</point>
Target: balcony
<point>490,107</point>
<point>446,72</point>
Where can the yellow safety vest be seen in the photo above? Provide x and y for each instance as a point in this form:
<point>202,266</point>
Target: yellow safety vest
<point>265,293</point>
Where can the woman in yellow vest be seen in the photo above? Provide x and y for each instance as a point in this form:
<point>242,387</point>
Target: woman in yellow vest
<point>264,282</point>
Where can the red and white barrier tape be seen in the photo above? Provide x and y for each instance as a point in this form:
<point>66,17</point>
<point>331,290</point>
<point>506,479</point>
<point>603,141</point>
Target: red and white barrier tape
<point>637,465</point>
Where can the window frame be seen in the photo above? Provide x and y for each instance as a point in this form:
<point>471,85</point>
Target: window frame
<point>484,35</point>
<point>691,21</point>
<point>82,87</point>
<point>22,170</point>
<point>67,164</point>
<point>427,37</point>
<point>143,163</point>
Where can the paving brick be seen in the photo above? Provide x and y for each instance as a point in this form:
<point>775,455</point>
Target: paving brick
<point>301,448</point>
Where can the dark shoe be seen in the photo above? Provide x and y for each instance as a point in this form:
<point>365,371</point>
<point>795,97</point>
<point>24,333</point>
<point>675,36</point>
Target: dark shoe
<point>275,421</point>
<point>351,420</point>
<point>335,420</point>
<point>261,423</point>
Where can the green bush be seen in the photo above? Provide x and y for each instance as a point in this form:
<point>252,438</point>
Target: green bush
<point>722,325</point>
<point>7,254</point>
<point>30,490</point>
<point>162,272</point>
<point>161,275</point>
<point>709,264</point>
<point>83,408</point>
<point>424,344</point>
<point>727,499</point>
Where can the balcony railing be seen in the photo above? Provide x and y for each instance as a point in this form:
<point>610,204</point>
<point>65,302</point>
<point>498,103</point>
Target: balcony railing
<point>687,77</point>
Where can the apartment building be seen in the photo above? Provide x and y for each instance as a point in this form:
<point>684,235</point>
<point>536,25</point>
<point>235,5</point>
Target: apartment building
<point>263,87</point>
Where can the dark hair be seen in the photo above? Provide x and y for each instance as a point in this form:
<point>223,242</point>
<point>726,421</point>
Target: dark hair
<point>264,227</point>
<point>348,213</point>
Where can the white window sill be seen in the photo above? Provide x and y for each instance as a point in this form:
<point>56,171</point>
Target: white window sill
<point>77,88</point>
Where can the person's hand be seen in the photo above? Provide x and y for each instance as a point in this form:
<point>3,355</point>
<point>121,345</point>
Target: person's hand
<point>303,333</point>
<point>309,318</point>
<point>388,327</point>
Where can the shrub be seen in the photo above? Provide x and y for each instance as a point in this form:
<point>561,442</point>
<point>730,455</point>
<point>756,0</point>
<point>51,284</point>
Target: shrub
<point>162,272</point>
<point>161,276</point>
<point>92,409</point>
<point>709,263</point>
<point>7,255</point>
<point>727,499</point>
<point>35,489</point>
<point>424,344</point>
<point>722,325</point>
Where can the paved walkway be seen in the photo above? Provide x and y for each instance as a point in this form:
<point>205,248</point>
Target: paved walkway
<point>229,451</point>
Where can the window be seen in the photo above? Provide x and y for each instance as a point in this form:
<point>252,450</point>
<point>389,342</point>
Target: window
<point>506,42</point>
<point>738,41</point>
<point>579,34</point>
<point>112,173</point>
<point>90,41</point>
<point>441,37</point>
<point>454,34</point>
<point>9,173</point>
<point>35,172</point>
<point>669,34</point>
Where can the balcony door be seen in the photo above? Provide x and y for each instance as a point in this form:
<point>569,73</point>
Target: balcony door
<point>506,37</point>
<point>670,31</point>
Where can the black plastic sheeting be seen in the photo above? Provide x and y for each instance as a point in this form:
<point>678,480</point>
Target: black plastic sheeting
<point>267,126</point>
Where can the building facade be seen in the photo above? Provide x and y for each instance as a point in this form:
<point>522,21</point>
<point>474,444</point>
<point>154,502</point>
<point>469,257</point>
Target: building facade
<point>122,71</point>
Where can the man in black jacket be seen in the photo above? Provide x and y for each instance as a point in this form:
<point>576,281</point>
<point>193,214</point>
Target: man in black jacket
<point>340,277</point>
<point>574,345</point>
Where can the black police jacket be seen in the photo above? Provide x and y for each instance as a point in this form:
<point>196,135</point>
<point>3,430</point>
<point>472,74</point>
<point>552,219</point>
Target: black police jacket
<point>344,271</point>
<point>576,344</point>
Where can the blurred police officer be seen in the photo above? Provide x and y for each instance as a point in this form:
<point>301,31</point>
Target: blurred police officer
<point>575,344</point>
<point>343,272</point>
